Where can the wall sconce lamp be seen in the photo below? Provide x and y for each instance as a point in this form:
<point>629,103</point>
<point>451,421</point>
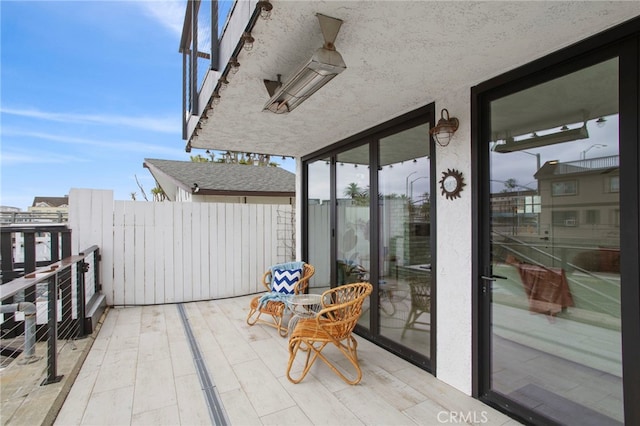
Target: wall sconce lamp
<point>195,188</point>
<point>325,64</point>
<point>223,83</point>
<point>265,8</point>
<point>445,128</point>
<point>600,122</point>
<point>235,65</point>
<point>208,110</point>
<point>247,41</point>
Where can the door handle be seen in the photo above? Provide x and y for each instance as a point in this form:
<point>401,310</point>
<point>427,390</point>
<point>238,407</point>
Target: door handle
<point>489,279</point>
<point>493,277</point>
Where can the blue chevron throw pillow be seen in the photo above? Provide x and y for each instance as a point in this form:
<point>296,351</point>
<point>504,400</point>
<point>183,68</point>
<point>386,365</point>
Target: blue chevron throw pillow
<point>283,280</point>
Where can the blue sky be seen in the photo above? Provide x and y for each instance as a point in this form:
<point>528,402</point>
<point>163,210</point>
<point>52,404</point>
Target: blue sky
<point>88,90</point>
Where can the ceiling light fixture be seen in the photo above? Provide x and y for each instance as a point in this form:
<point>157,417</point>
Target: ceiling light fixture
<point>265,8</point>
<point>247,41</point>
<point>445,128</point>
<point>538,141</point>
<point>325,64</point>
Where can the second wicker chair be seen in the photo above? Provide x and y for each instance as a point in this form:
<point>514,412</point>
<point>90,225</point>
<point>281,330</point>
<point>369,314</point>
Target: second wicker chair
<point>341,309</point>
<point>276,309</point>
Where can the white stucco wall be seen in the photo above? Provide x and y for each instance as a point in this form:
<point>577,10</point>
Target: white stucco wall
<point>453,273</point>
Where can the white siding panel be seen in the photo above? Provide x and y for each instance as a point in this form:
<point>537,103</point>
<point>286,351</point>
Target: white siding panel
<point>150,254</point>
<point>195,260</point>
<point>214,253</point>
<point>245,248</point>
<point>252,262</point>
<point>187,251</point>
<point>221,255</point>
<point>129,253</point>
<point>169,252</point>
<point>169,266</point>
<point>159,231</point>
<point>203,252</point>
<point>273,237</point>
<point>105,243</point>
<point>260,267</point>
<point>178,242</point>
<point>268,224</point>
<point>236,252</point>
<point>118,281</point>
<point>139,254</point>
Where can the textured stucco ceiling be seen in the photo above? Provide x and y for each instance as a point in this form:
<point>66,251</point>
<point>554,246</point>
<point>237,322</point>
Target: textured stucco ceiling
<point>399,56</point>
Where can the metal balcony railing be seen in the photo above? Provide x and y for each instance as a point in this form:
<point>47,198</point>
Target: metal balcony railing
<point>59,297</point>
<point>27,246</point>
<point>204,23</point>
<point>33,217</point>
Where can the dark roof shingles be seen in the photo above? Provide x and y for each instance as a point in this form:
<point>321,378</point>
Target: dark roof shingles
<point>227,177</point>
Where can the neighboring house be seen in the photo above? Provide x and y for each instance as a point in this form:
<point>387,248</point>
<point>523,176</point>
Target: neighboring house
<point>210,182</point>
<point>50,205</point>
<point>7,213</point>
<point>509,80</point>
<point>9,209</point>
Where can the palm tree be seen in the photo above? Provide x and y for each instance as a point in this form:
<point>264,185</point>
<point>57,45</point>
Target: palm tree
<point>199,159</point>
<point>158,193</point>
<point>353,191</point>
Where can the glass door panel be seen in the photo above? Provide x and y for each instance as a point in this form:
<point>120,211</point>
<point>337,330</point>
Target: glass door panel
<point>555,248</point>
<point>404,258</point>
<point>353,261</point>
<point>319,223</point>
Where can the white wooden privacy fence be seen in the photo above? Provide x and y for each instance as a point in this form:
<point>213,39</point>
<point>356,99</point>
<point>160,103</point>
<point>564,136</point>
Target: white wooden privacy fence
<point>167,252</point>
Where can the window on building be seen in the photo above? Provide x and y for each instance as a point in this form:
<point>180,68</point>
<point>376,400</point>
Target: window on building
<point>592,217</point>
<point>564,218</point>
<point>567,187</point>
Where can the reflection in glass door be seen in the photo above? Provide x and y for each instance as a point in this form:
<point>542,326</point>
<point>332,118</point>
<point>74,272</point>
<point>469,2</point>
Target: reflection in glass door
<point>554,299</point>
<point>368,219</point>
<point>353,227</point>
<point>404,258</point>
<point>319,230</point>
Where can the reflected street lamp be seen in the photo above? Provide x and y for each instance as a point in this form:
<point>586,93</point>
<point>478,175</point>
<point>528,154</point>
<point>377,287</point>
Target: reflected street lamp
<point>406,185</point>
<point>411,186</point>
<point>537,158</point>
<point>595,145</point>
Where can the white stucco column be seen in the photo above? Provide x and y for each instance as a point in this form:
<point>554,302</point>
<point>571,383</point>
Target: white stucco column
<point>453,250</point>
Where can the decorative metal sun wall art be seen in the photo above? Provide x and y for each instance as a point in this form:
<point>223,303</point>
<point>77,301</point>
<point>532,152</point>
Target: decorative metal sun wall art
<point>451,183</point>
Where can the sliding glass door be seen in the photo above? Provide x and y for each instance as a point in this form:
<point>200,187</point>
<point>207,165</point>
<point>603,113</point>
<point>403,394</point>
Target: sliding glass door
<point>368,219</point>
<point>404,248</point>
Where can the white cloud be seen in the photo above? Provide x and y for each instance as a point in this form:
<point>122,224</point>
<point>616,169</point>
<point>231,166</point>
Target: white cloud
<point>10,158</point>
<point>168,13</point>
<point>153,124</point>
<point>122,146</point>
